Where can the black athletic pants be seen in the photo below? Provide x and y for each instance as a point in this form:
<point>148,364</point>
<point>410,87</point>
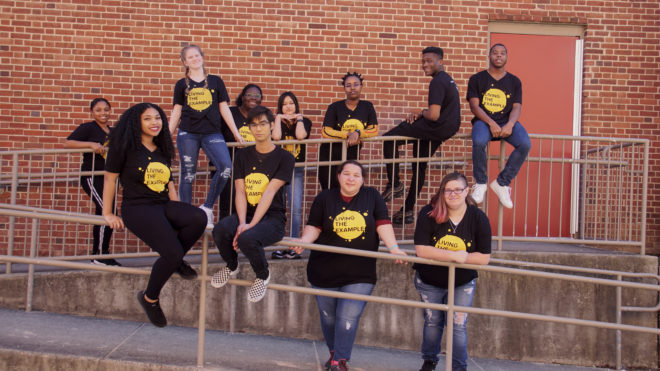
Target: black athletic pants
<point>93,186</point>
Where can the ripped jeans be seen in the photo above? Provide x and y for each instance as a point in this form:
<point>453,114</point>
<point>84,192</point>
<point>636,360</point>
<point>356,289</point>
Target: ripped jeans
<point>216,150</point>
<point>434,321</point>
<point>340,318</point>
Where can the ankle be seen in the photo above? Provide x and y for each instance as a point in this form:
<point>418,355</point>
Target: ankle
<point>151,301</point>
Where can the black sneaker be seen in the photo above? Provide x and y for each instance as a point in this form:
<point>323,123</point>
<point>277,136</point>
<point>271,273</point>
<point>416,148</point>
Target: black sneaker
<point>186,271</point>
<point>428,365</point>
<point>108,262</point>
<point>278,254</point>
<point>399,218</point>
<point>153,311</point>
<point>290,254</point>
<point>397,191</point>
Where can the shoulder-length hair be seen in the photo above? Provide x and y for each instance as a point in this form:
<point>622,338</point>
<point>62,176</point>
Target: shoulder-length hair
<point>127,133</point>
<point>439,211</point>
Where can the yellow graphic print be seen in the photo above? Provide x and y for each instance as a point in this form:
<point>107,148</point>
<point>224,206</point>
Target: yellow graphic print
<point>351,124</point>
<point>451,243</point>
<point>293,149</point>
<point>200,99</point>
<point>246,133</point>
<point>105,148</point>
<point>494,100</point>
<point>156,176</point>
<point>349,225</point>
<point>255,185</point>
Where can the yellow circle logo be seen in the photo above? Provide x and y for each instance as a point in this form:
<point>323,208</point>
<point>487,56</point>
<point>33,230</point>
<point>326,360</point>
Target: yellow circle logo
<point>156,176</point>
<point>246,133</point>
<point>199,99</point>
<point>293,149</point>
<point>352,125</point>
<point>349,225</point>
<point>255,185</point>
<point>494,100</point>
<point>451,243</point>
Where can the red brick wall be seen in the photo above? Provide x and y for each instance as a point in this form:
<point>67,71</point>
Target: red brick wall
<point>58,55</point>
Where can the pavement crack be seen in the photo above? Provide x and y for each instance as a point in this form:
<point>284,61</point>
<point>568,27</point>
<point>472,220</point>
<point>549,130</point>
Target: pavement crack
<point>123,341</point>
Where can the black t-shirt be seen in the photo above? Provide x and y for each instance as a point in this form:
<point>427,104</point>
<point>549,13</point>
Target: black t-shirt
<point>257,169</point>
<point>91,132</point>
<point>289,132</point>
<point>472,235</point>
<point>443,92</point>
<point>143,174</point>
<point>343,224</point>
<point>339,118</point>
<point>201,112</point>
<point>496,97</point>
<point>241,125</point>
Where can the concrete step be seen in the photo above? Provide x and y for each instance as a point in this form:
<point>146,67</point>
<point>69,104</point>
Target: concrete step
<point>46,341</point>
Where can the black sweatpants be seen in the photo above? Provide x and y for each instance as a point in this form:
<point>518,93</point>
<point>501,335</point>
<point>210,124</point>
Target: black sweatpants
<point>93,186</point>
<point>170,229</point>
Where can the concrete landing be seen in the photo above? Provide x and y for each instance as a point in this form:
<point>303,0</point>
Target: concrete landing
<point>39,341</point>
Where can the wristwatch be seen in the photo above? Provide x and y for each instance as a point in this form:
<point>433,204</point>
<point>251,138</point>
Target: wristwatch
<point>358,131</point>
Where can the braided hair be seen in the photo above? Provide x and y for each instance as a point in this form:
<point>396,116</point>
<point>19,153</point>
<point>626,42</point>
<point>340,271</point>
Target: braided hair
<point>353,74</point>
<point>187,74</point>
<point>127,134</point>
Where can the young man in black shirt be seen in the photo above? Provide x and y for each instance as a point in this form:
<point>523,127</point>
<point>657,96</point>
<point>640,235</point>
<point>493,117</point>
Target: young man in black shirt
<point>260,172</point>
<point>495,97</point>
<point>432,126</point>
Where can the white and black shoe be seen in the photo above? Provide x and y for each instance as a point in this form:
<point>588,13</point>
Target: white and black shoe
<point>221,277</point>
<point>258,289</point>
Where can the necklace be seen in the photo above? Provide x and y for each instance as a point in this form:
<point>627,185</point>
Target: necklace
<point>453,226</point>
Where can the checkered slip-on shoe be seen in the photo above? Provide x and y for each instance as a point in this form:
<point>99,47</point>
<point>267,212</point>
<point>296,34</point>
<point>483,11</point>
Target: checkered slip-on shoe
<point>221,277</point>
<point>258,289</point>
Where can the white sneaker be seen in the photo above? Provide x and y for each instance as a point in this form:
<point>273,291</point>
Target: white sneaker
<point>258,289</point>
<point>221,277</point>
<point>209,216</point>
<point>503,193</point>
<point>478,192</point>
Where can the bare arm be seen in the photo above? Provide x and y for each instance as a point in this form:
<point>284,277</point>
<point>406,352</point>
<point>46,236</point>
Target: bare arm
<point>432,113</point>
<point>172,192</point>
<point>229,120</point>
<point>109,186</point>
<point>309,235</point>
<point>175,118</point>
<point>386,234</point>
<point>495,129</point>
<point>276,133</point>
<point>266,199</point>
<point>477,258</point>
<point>514,115</point>
<point>430,252</point>
<point>301,133</point>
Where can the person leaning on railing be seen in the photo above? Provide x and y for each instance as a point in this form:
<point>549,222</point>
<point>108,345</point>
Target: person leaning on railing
<point>94,135</point>
<point>350,216</point>
<point>140,156</point>
<point>349,119</point>
<point>451,228</point>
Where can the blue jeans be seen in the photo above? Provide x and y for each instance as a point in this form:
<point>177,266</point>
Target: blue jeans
<point>340,318</point>
<point>435,320</point>
<point>294,202</point>
<point>518,139</point>
<point>216,150</point>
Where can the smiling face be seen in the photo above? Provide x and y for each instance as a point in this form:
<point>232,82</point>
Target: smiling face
<point>101,112</point>
<point>350,180</point>
<point>352,87</point>
<point>251,98</point>
<point>151,124</point>
<point>193,58</point>
<point>498,56</point>
<point>288,106</point>
<point>431,64</point>
<point>455,193</point>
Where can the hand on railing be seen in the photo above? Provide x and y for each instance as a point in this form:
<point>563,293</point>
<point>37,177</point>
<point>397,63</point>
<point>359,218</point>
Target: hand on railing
<point>458,256</point>
<point>114,221</point>
<point>397,251</point>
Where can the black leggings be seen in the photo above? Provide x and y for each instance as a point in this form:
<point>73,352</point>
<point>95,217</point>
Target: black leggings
<point>170,229</point>
<point>93,186</point>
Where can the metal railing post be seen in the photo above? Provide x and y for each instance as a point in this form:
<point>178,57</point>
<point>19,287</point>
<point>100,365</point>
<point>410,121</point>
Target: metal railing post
<point>12,200</point>
<point>500,208</point>
<point>645,185</point>
<point>33,253</point>
<point>618,322</point>
<point>201,328</point>
<point>449,319</point>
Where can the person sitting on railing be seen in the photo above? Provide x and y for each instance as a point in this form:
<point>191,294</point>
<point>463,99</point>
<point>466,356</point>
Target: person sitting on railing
<point>94,135</point>
<point>432,126</point>
<point>290,124</point>
<point>260,173</point>
<point>249,98</point>
<point>350,119</point>
<point>354,217</point>
<point>450,229</point>
<point>495,97</point>
<point>140,155</point>
<point>200,105</point>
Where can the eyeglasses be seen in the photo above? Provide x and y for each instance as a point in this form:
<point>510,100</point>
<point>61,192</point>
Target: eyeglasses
<point>456,191</point>
<point>259,124</point>
<point>253,95</point>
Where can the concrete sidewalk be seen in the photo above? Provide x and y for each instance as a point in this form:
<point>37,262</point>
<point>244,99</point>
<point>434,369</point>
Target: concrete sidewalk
<point>38,340</point>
